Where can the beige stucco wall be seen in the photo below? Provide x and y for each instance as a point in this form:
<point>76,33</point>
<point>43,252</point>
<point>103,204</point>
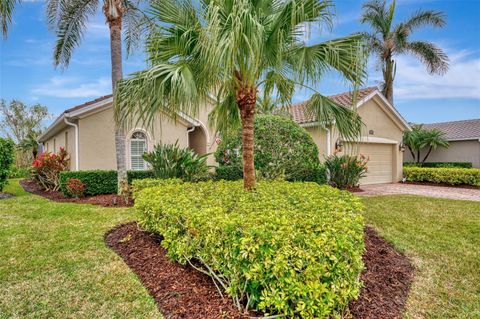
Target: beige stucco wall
<point>377,117</point>
<point>319,136</point>
<point>54,143</point>
<point>97,144</point>
<point>458,151</point>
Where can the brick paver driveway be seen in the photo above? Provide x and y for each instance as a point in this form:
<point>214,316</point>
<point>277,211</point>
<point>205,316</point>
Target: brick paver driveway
<point>423,190</point>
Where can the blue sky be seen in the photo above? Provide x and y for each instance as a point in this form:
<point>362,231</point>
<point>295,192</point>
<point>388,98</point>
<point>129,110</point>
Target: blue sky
<point>27,72</point>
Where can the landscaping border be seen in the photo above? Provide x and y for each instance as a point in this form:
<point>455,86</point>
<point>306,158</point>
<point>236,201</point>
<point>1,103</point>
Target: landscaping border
<point>182,292</point>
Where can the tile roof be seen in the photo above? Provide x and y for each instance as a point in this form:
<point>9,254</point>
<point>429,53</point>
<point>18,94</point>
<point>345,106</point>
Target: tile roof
<point>458,130</point>
<point>81,106</point>
<point>300,114</point>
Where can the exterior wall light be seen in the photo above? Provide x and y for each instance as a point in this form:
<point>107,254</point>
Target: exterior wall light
<point>339,145</point>
<point>401,147</point>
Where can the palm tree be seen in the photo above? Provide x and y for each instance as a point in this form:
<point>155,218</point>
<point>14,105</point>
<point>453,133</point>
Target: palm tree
<point>29,145</point>
<point>224,51</point>
<point>68,19</point>
<point>419,138</point>
<point>387,40</point>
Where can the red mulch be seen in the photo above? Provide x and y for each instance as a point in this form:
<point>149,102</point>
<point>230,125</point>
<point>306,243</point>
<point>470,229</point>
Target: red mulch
<point>444,185</point>
<point>105,200</point>
<point>182,292</point>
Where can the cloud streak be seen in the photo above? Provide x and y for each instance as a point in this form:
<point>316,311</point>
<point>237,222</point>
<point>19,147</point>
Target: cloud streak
<point>72,87</point>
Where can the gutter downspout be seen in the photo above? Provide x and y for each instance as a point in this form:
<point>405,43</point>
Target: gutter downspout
<point>189,130</point>
<point>76,142</point>
<point>329,142</point>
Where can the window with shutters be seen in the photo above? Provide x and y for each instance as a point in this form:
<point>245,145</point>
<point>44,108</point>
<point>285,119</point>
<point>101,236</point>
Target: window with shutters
<point>138,146</point>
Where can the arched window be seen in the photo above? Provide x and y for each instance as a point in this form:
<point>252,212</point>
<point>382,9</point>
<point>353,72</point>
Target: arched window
<point>138,146</point>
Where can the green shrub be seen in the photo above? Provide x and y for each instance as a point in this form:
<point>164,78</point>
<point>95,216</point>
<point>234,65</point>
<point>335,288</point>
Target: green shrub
<point>439,164</point>
<point>229,172</point>
<point>452,176</point>
<point>172,161</point>
<point>283,150</point>
<point>345,171</point>
<point>284,248</point>
<point>6,160</point>
<point>19,172</point>
<point>99,181</point>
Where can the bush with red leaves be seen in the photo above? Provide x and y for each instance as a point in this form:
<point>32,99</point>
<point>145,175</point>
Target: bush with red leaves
<point>47,167</point>
<point>75,187</point>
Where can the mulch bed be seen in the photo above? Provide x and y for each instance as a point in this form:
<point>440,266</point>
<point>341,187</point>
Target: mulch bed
<point>182,292</point>
<point>5,195</point>
<point>105,200</point>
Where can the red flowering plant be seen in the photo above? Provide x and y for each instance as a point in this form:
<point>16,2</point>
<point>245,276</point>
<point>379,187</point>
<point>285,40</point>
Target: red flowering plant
<point>345,171</point>
<point>75,187</point>
<point>47,167</point>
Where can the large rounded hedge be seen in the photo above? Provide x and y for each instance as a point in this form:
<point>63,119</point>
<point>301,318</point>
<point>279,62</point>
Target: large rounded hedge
<point>291,249</point>
<point>6,160</point>
<point>283,149</point>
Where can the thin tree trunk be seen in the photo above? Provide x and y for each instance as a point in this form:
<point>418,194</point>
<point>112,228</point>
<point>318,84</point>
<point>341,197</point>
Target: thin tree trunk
<point>246,100</point>
<point>426,156</point>
<point>412,153</point>
<point>418,156</point>
<point>113,11</point>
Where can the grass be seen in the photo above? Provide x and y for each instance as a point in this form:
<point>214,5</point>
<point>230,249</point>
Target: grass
<point>442,237</point>
<point>54,263</point>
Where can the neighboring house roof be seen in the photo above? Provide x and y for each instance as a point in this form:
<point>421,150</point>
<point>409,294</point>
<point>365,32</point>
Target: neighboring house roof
<point>458,130</point>
<point>300,114</point>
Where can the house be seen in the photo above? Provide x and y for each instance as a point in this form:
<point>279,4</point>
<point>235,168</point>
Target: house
<point>380,141</point>
<point>464,139</point>
<point>87,133</point>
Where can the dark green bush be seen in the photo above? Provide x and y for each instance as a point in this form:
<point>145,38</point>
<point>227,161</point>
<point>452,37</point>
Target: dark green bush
<point>440,164</point>
<point>6,160</point>
<point>283,150</point>
<point>229,172</point>
<point>99,181</point>
<point>172,161</point>
<point>345,171</point>
<point>285,248</point>
<point>452,176</point>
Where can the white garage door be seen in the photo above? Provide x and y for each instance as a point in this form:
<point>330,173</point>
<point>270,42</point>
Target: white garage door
<point>380,164</point>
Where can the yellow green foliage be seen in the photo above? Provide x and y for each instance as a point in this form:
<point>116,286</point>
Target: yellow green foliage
<point>453,176</point>
<point>285,248</point>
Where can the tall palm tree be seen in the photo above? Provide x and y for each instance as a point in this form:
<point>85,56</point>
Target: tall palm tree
<point>68,18</point>
<point>224,51</point>
<point>387,40</point>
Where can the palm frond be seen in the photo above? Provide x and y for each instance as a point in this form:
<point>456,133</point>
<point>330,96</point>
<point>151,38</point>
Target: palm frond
<point>327,112</point>
<point>426,17</point>
<point>429,54</point>
<point>136,25</point>
<point>71,27</point>
<point>6,12</point>
<point>225,117</point>
<point>375,14</point>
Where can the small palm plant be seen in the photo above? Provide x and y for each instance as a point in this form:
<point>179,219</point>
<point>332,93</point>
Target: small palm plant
<point>224,52</point>
<point>387,40</point>
<point>419,138</point>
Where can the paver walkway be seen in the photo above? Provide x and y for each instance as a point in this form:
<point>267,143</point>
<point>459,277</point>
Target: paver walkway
<point>423,190</point>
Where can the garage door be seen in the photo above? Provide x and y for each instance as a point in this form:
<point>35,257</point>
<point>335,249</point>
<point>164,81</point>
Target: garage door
<point>380,164</point>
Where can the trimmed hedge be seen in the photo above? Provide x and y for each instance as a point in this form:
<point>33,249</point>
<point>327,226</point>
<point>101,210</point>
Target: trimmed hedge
<point>452,176</point>
<point>6,160</point>
<point>440,164</point>
<point>100,181</point>
<point>285,248</point>
<point>229,172</point>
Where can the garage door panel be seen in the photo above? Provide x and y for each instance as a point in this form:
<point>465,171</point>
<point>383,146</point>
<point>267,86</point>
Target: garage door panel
<point>380,163</point>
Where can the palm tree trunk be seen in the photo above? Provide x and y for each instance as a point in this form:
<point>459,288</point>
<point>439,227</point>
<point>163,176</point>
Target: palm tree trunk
<point>412,153</point>
<point>426,156</point>
<point>418,156</point>
<point>388,75</point>
<point>113,12</point>
<point>246,99</point>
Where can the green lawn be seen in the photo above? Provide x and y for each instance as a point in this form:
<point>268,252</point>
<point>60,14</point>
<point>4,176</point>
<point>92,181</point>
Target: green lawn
<point>442,237</point>
<point>54,263</point>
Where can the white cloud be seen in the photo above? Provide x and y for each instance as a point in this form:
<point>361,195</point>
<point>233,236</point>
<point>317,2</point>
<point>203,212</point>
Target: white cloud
<point>461,81</point>
<point>72,87</point>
